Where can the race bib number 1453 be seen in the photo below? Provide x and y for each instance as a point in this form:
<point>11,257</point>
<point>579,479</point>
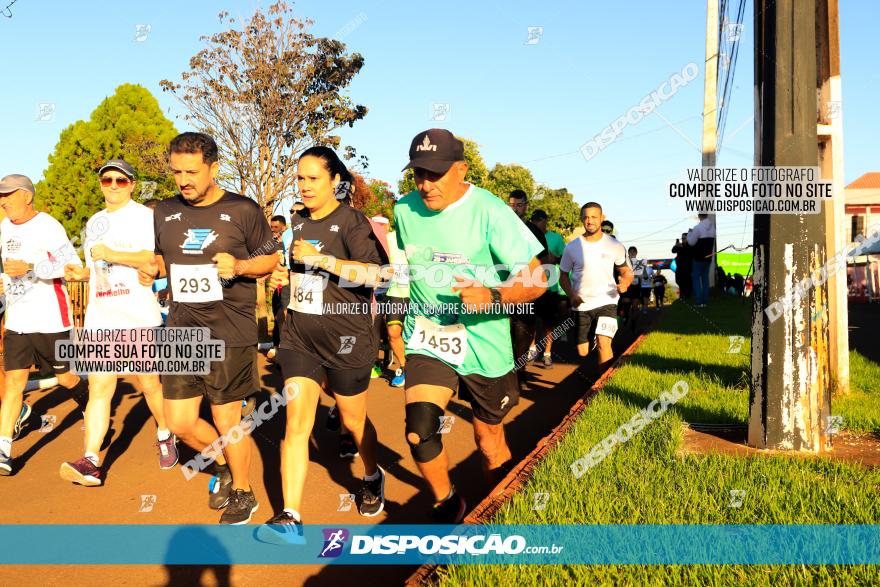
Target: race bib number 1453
<point>445,342</point>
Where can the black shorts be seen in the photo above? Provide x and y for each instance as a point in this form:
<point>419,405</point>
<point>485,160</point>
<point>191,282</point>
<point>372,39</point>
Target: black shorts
<point>586,321</point>
<point>633,292</point>
<point>395,310</point>
<point>491,398</point>
<point>646,293</point>
<point>346,382</point>
<point>22,350</point>
<point>547,307</point>
<point>232,379</point>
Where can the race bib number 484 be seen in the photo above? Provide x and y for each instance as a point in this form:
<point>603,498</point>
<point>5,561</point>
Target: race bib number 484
<point>195,284</point>
<point>445,342</point>
<point>306,293</point>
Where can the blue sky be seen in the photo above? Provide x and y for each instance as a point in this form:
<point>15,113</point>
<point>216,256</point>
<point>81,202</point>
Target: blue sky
<point>533,104</point>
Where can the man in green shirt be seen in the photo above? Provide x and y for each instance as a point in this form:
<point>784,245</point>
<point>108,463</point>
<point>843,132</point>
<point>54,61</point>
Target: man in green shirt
<point>553,305</point>
<point>468,255</point>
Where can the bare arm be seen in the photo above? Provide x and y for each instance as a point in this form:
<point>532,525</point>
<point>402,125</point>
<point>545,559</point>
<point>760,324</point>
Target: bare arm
<point>527,285</point>
<point>626,278</point>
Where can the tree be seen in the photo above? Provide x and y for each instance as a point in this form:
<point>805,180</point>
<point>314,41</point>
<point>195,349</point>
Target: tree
<point>266,93</point>
<point>563,213</point>
<point>477,171</point>
<point>503,179</point>
<point>127,125</point>
<point>382,201</point>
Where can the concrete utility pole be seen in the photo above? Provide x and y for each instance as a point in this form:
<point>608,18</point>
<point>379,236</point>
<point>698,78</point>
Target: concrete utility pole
<point>791,379</point>
<point>710,107</point>
<point>830,132</point>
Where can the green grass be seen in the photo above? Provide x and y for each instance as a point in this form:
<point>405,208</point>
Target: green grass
<point>648,481</point>
<point>861,407</point>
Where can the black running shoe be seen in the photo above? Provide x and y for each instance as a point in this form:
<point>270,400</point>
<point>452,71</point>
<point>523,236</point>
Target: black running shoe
<point>333,421</point>
<point>21,421</point>
<point>371,499</point>
<point>450,510</point>
<point>242,504</point>
<point>347,446</point>
<point>219,488</point>
<point>283,529</point>
<point>5,464</point>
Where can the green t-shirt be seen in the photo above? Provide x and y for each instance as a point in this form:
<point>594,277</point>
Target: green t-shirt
<point>556,245</point>
<point>477,237</point>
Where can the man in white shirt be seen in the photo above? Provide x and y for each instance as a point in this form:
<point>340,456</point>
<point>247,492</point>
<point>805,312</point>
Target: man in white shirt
<point>702,238</point>
<point>643,276</point>
<point>592,289</point>
<point>121,239</point>
<point>34,248</point>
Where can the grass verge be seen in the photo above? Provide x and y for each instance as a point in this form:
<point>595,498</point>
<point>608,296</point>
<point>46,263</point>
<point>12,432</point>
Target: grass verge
<point>647,481</point>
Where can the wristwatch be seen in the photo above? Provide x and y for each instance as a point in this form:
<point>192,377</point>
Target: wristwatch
<point>496,299</point>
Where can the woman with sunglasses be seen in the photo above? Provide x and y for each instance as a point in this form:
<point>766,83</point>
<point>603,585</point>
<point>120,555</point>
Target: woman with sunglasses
<point>328,334</point>
<point>120,240</point>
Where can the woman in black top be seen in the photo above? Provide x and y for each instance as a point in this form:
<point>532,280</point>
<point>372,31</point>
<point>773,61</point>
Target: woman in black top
<point>328,335</point>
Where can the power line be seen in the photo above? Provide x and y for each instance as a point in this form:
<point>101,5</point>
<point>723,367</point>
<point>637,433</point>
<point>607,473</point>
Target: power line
<point>623,137</point>
<point>732,45</point>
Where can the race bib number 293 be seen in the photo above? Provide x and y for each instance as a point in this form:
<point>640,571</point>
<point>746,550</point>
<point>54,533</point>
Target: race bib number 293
<point>195,284</point>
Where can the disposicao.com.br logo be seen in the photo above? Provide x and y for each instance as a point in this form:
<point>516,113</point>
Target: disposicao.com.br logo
<point>334,542</point>
<point>394,544</point>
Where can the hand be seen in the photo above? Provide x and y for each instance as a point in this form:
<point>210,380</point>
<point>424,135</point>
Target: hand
<point>473,294</point>
<point>74,272</point>
<point>15,268</point>
<point>305,252</point>
<point>162,296</point>
<point>2,287</point>
<point>225,265</point>
<point>576,301</point>
<point>101,253</point>
<point>148,272</point>
<point>279,278</point>
<point>621,288</point>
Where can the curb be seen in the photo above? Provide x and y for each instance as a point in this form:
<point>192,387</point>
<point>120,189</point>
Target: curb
<point>522,472</point>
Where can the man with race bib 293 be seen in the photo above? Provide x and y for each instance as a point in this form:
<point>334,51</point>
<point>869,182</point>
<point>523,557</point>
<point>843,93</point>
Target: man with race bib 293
<point>214,245</point>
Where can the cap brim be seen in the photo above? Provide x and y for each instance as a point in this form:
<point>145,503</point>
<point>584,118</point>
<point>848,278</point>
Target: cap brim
<point>119,169</point>
<point>433,165</point>
<point>7,189</point>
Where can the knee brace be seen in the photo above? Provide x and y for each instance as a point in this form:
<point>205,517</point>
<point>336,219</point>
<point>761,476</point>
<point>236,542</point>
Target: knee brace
<point>423,420</point>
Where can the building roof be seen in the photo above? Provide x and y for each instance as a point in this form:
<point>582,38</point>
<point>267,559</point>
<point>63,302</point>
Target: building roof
<point>865,191</point>
<point>868,181</point>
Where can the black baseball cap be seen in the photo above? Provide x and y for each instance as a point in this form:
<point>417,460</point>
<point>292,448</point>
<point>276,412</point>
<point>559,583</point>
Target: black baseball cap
<point>436,150</point>
<point>539,215</point>
<point>119,165</point>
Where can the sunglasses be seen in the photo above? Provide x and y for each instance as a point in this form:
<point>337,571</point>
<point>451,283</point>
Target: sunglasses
<point>122,182</point>
<point>606,230</point>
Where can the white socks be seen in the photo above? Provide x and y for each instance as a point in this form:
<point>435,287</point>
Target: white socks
<point>163,434</point>
<point>6,445</point>
<point>294,513</point>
